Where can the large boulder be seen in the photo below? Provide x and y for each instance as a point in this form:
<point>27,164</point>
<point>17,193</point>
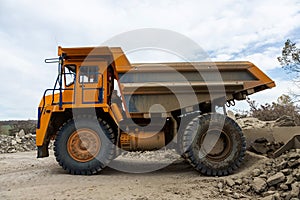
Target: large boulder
<point>276,178</point>
<point>259,185</point>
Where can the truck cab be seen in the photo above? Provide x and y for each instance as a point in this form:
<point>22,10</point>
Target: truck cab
<point>83,83</point>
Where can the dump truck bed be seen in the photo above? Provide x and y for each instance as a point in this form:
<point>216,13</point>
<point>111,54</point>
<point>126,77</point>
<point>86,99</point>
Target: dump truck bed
<point>146,84</point>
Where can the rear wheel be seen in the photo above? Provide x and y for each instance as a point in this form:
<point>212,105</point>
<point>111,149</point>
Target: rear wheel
<point>214,144</point>
<point>84,145</point>
<point>182,127</point>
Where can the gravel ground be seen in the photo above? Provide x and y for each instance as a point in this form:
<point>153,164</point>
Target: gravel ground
<point>23,176</point>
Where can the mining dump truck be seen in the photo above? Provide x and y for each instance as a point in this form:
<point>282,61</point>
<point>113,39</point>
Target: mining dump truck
<point>101,105</point>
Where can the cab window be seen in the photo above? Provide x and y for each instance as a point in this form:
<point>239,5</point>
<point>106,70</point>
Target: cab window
<point>88,74</point>
<point>70,74</point>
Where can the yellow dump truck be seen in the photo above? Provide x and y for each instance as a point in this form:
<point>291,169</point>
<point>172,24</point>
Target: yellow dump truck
<point>102,104</point>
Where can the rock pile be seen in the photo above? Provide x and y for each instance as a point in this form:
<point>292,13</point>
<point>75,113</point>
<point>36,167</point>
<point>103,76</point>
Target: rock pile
<point>285,121</point>
<point>253,123</point>
<point>263,147</point>
<point>277,179</point>
<point>164,155</point>
<point>19,143</point>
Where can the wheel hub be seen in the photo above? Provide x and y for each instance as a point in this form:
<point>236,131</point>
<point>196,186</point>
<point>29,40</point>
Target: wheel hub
<point>83,145</point>
<point>215,144</point>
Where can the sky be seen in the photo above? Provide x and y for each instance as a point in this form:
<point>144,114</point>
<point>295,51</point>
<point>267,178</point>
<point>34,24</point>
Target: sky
<point>30,31</point>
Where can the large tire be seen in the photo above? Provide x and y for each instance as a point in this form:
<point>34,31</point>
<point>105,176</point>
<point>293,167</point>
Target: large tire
<point>184,122</point>
<point>84,145</point>
<point>182,127</point>
<point>214,144</point>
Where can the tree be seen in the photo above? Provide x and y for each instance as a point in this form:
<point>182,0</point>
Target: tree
<point>275,110</point>
<point>290,60</point>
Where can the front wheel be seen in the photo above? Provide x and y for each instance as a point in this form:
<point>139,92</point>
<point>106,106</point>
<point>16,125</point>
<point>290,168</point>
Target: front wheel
<point>214,144</point>
<point>84,145</point>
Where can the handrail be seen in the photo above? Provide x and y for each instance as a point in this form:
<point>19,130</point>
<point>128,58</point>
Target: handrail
<point>62,89</point>
<point>53,91</point>
<point>60,69</point>
<point>52,102</point>
<point>59,81</point>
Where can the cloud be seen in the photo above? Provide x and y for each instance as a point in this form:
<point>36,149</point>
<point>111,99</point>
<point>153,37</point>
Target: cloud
<point>255,31</point>
<point>266,60</point>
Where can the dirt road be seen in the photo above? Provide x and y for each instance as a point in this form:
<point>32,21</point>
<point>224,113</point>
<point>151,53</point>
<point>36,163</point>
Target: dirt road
<point>22,176</point>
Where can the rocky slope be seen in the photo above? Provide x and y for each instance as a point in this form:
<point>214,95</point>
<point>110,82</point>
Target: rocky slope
<point>276,179</point>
